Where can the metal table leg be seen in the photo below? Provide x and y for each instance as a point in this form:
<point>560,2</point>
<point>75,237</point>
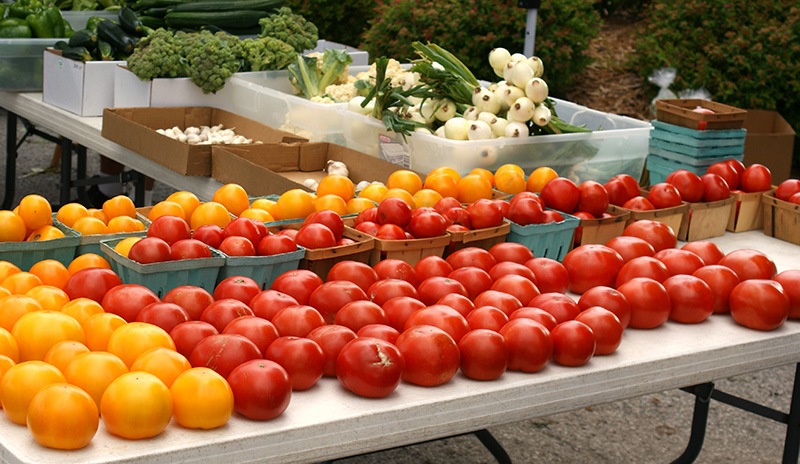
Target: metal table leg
<point>66,170</point>
<point>791,446</point>
<point>11,160</point>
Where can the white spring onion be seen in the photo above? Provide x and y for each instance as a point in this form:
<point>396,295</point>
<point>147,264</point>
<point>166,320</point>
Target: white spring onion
<point>499,127</point>
<point>516,130</point>
<point>447,109</point>
<point>355,105</point>
<point>522,74</point>
<point>427,110</point>
<point>512,94</point>
<point>479,94</point>
<point>500,92</point>
<point>489,102</point>
<point>479,130</point>
<point>440,132</point>
<point>456,128</point>
<point>471,113</point>
<point>487,117</point>
<point>537,65</point>
<point>536,89</point>
<point>508,72</point>
<point>499,57</point>
<point>522,110</point>
<point>541,116</point>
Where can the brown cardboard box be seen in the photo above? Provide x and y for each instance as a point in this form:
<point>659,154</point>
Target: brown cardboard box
<point>277,167</point>
<point>770,141</point>
<point>135,129</point>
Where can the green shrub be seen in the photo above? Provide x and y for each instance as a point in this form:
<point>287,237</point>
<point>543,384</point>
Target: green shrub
<point>470,29</point>
<point>342,21</point>
<point>746,53</point>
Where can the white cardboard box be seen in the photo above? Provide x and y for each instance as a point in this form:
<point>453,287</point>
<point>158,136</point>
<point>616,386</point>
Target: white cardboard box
<point>78,87</point>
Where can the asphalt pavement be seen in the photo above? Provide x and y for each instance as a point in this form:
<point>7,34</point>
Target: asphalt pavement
<point>649,429</point>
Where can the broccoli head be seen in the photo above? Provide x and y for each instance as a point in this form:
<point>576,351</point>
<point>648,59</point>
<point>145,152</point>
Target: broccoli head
<point>291,28</point>
<point>157,55</point>
<point>210,59</point>
<point>266,53</point>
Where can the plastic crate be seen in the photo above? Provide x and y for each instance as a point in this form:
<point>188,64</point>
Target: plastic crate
<point>714,151</point>
<point>163,277</point>
<point>25,254</point>
<point>262,269</point>
<point>697,138</point>
<point>481,238</point>
<point>660,167</point>
<point>91,243</point>
<point>551,240</point>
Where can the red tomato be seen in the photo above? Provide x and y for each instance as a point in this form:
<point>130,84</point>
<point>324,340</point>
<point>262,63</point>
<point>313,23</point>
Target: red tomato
<point>551,276</point>
<point>593,198</point>
<point>383,290</point>
<point>259,331</point>
<point>535,314</point>
<point>223,352</point>
<point>484,354</point>
<point>164,315</point>
<point>573,343</point>
<point>503,301</point>
<point>756,178</point>
<point>518,286</point>
<point>272,245</point>
<point>460,303</point>
<point>331,338</point>
<point>243,227</point>
<point>679,261</point>
<point>643,266</point>
<point>530,346</point>
<point>189,249</point>
<point>504,207</point>
<point>689,185</point>
<point>428,225</point>
<point>357,272</point>
<point>655,233</point>
<point>526,211</point>
<point>368,215</point>
<point>128,300</point>
<point>790,281</point>
<point>210,234</point>
<point>577,236</point>
<point>441,316</point>
<point>395,211</point>
<point>759,304</point>
<point>221,312</point>
<point>240,288</point>
<point>664,195</point>
<point>715,187</point>
<point>607,298</point>
<point>458,216</point>
<point>331,296</point>
<point>561,306</point>
<point>432,289</point>
<point>356,314</point>
<point>297,320</point>
<point>750,264</point>
<point>649,300</point>
<point>505,268</point>
<point>691,298</point>
<point>298,284</point>
<point>380,331</point>
<point>430,354</point>
<point>150,250</point>
<point>328,218</point>
<point>302,358</point>
<point>262,389</point>
<point>268,302</point>
<point>592,265</point>
<point>472,256</point>
<point>187,334</point>
<point>369,228</point>
<point>485,213</point>
<point>170,229</point>
<point>315,235</point>
<point>391,232</point>
<point>291,233</point>
<point>552,216</point>
<point>737,165</point>
<point>726,172</point>
<point>787,188</point>
<point>709,252</point>
<point>396,269</point>
<point>431,266</point>
<point>631,184</point>
<point>511,251</point>
<point>606,327</point>
<point>237,246</point>
<point>618,192</point>
<point>92,283</point>
<point>446,203</point>
<point>639,203</point>
<point>487,317</point>
<point>630,247</point>
<point>370,367</point>
<point>561,194</point>
<point>474,280</point>
<point>399,309</point>
<point>721,280</point>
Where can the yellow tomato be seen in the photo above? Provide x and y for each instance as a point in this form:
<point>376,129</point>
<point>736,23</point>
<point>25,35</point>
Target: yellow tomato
<point>94,372</point>
<point>201,399</point>
<point>62,353</point>
<point>62,416</point>
<point>98,329</point>
<point>136,405</point>
<point>131,340</point>
<point>164,363</point>
<point>38,331</point>
<point>21,383</point>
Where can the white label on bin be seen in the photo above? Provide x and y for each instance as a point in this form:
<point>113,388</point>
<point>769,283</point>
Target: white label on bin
<point>394,150</point>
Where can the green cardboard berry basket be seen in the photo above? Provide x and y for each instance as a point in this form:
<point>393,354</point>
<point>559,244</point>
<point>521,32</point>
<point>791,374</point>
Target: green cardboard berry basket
<point>262,269</point>
<point>551,240</point>
<point>163,277</point>
<point>25,254</point>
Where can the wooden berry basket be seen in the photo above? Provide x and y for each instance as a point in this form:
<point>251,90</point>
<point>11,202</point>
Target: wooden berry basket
<point>481,238</point>
<point>747,211</point>
<point>705,220</point>
<point>321,260</point>
<point>781,218</point>
<point>601,230</point>
<point>680,112</point>
<point>410,251</point>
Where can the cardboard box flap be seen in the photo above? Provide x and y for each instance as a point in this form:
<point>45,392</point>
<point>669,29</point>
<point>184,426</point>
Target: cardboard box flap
<point>278,157</point>
<point>315,156</point>
<point>766,122</point>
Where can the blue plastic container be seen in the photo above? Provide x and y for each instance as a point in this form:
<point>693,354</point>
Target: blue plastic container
<point>25,254</point>
<point>263,269</point>
<point>552,240</point>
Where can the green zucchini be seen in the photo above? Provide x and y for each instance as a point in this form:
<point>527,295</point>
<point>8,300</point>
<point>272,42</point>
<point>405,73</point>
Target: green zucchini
<point>113,34</point>
<point>144,4</point>
<point>129,22</point>
<point>61,45</point>
<point>157,12</point>
<point>218,6</point>
<point>83,38</point>
<point>153,22</point>
<point>77,53</point>
<point>238,18</point>
<point>105,50</point>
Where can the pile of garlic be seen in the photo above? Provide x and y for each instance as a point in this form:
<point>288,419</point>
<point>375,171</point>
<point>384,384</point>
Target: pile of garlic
<point>339,168</point>
<point>206,135</point>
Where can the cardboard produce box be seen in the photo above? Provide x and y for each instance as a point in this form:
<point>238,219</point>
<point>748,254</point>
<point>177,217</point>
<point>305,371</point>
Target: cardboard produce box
<point>135,129</point>
<point>83,88</point>
<point>273,168</point>
<point>769,141</point>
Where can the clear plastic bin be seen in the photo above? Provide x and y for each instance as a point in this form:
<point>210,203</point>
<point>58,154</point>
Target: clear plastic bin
<point>619,148</point>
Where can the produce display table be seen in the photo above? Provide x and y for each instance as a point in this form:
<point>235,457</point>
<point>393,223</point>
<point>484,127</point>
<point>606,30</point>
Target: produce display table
<point>85,132</point>
<point>327,422</point>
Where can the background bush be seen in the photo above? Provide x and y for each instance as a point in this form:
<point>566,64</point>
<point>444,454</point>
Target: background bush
<point>342,21</point>
<point>470,29</point>
<point>746,53</point>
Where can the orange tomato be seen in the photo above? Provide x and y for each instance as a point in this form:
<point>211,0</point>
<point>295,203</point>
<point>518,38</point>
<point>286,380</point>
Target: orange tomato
<point>94,371</point>
<point>6,269</point>
<point>333,203</point>
<point>485,173</point>
<point>446,185</point>
<point>6,363</point>
<point>510,166</point>
<point>86,261</point>
<point>70,213</point>
<point>233,197</point>
<point>426,197</point>
<point>44,233</point>
<point>401,194</point>
<point>136,405</point>
<point>266,205</point>
<point>134,338</point>
<point>357,205</point>
<point>12,227</point>
<point>209,213</point>
<point>166,208</point>
<point>62,353</point>
<point>49,297</point>
<point>201,399</point>
<point>98,329</point>
<point>122,224</point>
<point>62,416</point>
<point>335,184</point>
<point>124,245</point>
<point>21,383</point>
<point>445,170</point>
<point>98,214</point>
<point>257,214</point>
<point>539,178</point>
<point>120,205</point>
<point>510,181</point>
<point>8,345</point>
<point>51,272</point>
<point>90,226</point>
<point>294,204</point>
<point>35,211</point>
<point>374,192</point>
<point>81,309</point>
<point>20,283</point>
<point>187,200</point>
<point>404,179</point>
<point>472,188</point>
<point>38,331</point>
<point>164,363</point>
<point>15,306</point>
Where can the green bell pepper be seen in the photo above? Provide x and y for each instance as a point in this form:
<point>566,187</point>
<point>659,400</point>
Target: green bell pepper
<point>68,31</point>
<point>54,15</point>
<point>22,8</point>
<point>93,21</point>
<point>14,28</point>
<point>41,25</point>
